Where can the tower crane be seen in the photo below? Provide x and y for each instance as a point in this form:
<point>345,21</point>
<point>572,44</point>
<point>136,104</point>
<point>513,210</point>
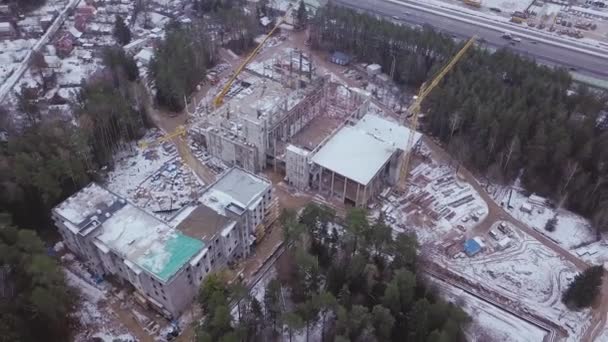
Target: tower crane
<point>219,99</point>
<point>179,131</point>
<point>414,109</point>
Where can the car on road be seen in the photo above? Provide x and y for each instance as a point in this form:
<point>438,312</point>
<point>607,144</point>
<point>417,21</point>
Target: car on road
<point>396,17</point>
<point>517,39</point>
<point>572,68</point>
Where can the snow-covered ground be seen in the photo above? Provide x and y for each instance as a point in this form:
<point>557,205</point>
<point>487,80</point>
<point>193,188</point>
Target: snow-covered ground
<point>528,274</point>
<point>437,203</point>
<point>573,232</point>
<point>507,6</point>
<point>154,178</point>
<point>95,318</point>
<point>489,322</point>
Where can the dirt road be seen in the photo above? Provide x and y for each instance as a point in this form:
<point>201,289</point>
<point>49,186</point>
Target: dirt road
<point>496,212</point>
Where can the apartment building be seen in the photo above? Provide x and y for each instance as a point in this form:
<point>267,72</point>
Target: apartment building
<point>165,262</point>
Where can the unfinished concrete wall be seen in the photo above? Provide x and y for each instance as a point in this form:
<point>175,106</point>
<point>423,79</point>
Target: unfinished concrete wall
<point>226,147</point>
<point>297,167</point>
<point>180,292</point>
<point>255,133</point>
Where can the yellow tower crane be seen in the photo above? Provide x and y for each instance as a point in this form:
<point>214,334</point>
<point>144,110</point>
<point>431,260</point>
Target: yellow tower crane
<point>179,131</point>
<point>219,99</point>
<point>414,109</point>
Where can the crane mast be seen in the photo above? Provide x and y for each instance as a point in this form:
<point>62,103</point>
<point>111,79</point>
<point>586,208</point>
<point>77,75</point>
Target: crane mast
<point>219,99</point>
<point>414,109</point>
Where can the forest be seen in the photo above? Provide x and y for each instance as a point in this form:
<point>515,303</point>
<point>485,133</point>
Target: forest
<point>180,63</point>
<point>34,300</point>
<point>501,114</point>
<point>346,281</point>
<point>51,158</point>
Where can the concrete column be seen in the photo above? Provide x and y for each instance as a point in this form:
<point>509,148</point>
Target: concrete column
<point>344,192</point>
<point>320,178</point>
<point>365,195</point>
<point>333,174</point>
<point>274,142</point>
<point>357,197</point>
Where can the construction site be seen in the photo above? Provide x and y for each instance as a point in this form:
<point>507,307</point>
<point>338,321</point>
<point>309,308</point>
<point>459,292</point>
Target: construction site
<point>321,135</point>
<point>289,128</point>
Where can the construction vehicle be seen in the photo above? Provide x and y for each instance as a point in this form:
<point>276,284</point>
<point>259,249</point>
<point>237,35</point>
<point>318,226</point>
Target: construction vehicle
<point>474,3</point>
<point>219,99</point>
<point>414,109</point>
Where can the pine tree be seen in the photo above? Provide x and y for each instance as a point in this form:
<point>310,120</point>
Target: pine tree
<point>301,15</point>
<point>551,224</point>
<point>122,33</point>
<point>585,287</point>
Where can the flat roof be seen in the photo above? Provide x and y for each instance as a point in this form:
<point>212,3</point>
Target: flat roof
<point>236,186</point>
<point>148,242</point>
<point>297,150</point>
<point>203,223</point>
<point>90,203</point>
<point>358,152</point>
<point>389,131</point>
<point>354,154</point>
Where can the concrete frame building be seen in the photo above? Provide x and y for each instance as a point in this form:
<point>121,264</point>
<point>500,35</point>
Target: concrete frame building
<point>358,161</point>
<point>261,117</point>
<point>165,262</point>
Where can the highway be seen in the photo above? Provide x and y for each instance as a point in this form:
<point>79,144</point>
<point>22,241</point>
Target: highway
<point>544,49</point>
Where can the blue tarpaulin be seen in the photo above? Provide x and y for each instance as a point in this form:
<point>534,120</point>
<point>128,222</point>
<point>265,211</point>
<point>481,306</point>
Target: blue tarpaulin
<point>471,247</point>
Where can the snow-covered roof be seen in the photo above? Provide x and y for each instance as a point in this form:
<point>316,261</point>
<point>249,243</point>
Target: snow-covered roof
<point>265,21</point>
<point>389,131</point>
<point>359,152</point>
<point>237,187</point>
<point>128,231</point>
<point>75,32</point>
<point>145,55</point>
<point>374,67</point>
<point>297,150</point>
<point>88,202</point>
<point>148,242</point>
<point>354,154</point>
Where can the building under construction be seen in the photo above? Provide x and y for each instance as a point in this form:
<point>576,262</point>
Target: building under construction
<point>319,133</point>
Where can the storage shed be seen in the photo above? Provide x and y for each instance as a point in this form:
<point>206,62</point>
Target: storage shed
<point>340,58</point>
<point>471,247</point>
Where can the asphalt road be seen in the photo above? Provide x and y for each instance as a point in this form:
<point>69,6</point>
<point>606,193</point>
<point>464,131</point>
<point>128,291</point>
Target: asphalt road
<point>545,53</point>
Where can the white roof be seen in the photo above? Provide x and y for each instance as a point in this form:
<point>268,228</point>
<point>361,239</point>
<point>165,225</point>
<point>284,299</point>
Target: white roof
<point>75,32</point>
<point>354,154</point>
<point>504,242</point>
<point>85,203</point>
<point>389,131</point>
<point>236,186</point>
<point>145,55</point>
<point>297,150</point>
<point>358,152</point>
